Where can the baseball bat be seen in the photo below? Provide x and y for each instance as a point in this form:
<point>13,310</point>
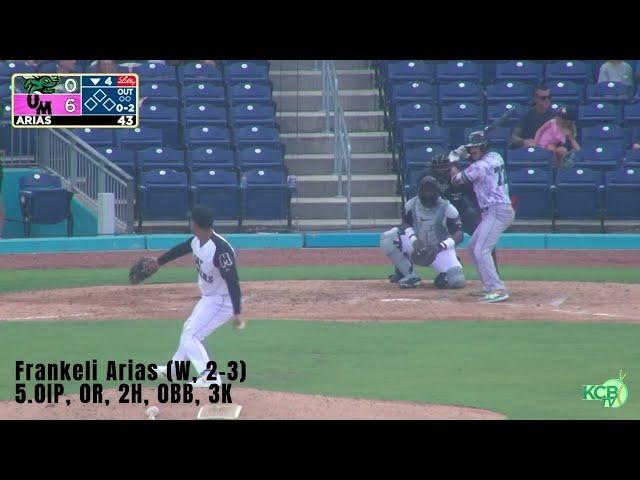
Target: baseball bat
<point>500,121</point>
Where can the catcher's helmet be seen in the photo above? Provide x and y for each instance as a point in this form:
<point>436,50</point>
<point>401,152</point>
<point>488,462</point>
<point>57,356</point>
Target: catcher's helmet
<point>440,162</point>
<point>477,139</point>
<point>428,191</point>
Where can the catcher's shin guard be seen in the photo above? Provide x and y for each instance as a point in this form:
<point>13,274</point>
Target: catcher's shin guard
<point>390,244</point>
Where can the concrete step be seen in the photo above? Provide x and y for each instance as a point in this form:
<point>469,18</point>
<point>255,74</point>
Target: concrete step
<point>322,164</point>
<point>361,142</point>
<point>336,207</point>
<point>311,100</point>
<point>315,122</point>
<point>361,185</point>
<point>313,64</point>
<point>288,80</point>
<point>359,224</point>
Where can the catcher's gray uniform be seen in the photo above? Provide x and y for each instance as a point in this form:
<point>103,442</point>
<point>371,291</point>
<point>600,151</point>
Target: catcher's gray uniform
<point>428,227</point>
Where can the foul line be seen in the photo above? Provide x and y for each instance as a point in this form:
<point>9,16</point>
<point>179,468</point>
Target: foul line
<point>45,317</point>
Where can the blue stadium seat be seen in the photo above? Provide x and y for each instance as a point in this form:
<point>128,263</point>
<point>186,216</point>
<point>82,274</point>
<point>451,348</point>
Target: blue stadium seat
<point>461,91</point>
<point>599,112</point>
<point>159,92</point>
<point>93,68</point>
<point>51,66</point>
<point>219,189</point>
<point>211,157</point>
<point>411,175</point>
<point>632,157</point>
<point>531,191</point>
<point>579,194</point>
<point>632,115</point>
<point>459,116</point>
<point>266,195</point>
<point>161,158</point>
<point>622,194</point>
<point>412,113</point>
<point>259,156</point>
<point>605,155</point>
<point>162,117</point>
<point>96,137</point>
<point>509,91</point>
<point>140,138</point>
<point>122,157</point>
<point>605,132</point>
<point>199,92</point>
<point>611,92</point>
<point>459,70</point>
<point>204,114</point>
<point>252,114</point>
<point>9,67</point>
<point>245,71</point>
<point>573,70</point>
<point>421,155</point>
<point>520,71</point>
<point>155,72</point>
<point>529,157</point>
<point>162,195</point>
<point>207,136</point>
<point>425,134</point>
<point>494,112</point>
<point>200,71</point>
<point>249,92</point>
<point>256,135</point>
<point>404,70</point>
<point>566,92</point>
<point>415,91</point>
<point>43,201</point>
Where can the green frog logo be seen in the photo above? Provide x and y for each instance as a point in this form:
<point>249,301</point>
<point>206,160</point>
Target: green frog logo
<point>42,84</point>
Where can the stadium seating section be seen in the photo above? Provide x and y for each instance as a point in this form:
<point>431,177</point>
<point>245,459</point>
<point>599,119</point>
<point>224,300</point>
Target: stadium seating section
<point>431,106</point>
<point>208,134</point>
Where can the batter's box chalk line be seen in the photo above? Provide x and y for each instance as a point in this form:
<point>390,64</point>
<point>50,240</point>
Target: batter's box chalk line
<point>400,300</point>
<point>219,412</point>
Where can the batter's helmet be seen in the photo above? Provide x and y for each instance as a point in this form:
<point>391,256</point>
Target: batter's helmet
<point>477,139</point>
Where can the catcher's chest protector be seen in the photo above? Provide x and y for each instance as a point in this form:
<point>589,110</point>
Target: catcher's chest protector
<point>430,224</point>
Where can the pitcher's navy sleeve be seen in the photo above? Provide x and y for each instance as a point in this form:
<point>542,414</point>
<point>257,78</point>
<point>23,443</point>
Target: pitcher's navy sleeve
<point>176,252</point>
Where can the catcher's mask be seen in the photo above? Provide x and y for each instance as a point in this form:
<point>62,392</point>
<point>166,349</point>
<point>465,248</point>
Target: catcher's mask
<point>202,216</point>
<point>477,139</point>
<point>428,191</point>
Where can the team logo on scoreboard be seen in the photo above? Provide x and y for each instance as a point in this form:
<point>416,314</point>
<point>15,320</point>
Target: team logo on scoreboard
<point>42,84</point>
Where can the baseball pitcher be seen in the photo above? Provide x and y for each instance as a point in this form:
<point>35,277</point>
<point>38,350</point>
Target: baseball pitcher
<point>430,230</point>
<point>215,263</point>
<point>487,174</point>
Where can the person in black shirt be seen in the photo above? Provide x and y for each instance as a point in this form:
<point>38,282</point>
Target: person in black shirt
<point>523,134</point>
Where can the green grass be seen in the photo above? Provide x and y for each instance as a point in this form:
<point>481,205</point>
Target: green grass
<point>524,370</point>
<point>17,280</point>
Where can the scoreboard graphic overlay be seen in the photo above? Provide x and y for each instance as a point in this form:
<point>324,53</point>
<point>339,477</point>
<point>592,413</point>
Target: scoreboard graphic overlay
<point>75,100</point>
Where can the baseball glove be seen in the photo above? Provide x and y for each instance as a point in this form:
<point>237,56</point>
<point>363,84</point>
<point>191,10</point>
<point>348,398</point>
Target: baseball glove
<point>143,269</point>
<point>424,255</point>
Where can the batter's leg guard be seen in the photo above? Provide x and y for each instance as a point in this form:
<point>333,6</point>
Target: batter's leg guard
<point>455,277</point>
<point>390,244</point>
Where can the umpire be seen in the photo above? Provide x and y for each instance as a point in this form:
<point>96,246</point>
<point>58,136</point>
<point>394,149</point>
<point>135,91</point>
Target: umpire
<point>461,196</point>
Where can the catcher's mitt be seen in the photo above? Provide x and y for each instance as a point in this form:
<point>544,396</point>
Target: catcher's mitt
<point>143,269</point>
<point>424,255</point>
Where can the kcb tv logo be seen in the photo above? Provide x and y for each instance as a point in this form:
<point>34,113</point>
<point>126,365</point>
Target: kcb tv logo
<point>613,393</point>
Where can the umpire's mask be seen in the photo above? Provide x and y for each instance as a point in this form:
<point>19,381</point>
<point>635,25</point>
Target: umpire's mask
<point>428,192</point>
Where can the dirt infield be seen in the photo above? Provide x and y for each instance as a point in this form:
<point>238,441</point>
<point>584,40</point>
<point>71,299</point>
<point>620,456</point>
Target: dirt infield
<point>320,256</point>
<point>256,405</point>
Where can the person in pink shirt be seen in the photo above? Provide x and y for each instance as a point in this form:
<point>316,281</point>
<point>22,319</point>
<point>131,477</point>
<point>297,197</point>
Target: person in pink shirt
<point>557,132</point>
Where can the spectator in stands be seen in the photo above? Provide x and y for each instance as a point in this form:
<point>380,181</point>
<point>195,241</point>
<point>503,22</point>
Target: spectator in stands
<point>636,145</point>
<point>67,66</point>
<point>32,63</point>
<point>106,66</point>
<point>557,132</point>
<point>523,133</point>
<point>616,71</point>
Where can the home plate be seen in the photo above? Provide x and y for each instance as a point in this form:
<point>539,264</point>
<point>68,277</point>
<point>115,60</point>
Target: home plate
<point>219,412</point>
<point>400,300</point>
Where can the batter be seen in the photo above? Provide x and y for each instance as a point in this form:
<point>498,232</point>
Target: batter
<point>487,173</point>
<point>221,296</point>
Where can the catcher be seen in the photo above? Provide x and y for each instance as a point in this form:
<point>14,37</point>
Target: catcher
<point>430,230</point>
<point>218,281</point>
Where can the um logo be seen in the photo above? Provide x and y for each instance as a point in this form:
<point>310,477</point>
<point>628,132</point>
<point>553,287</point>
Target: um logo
<point>42,108</point>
